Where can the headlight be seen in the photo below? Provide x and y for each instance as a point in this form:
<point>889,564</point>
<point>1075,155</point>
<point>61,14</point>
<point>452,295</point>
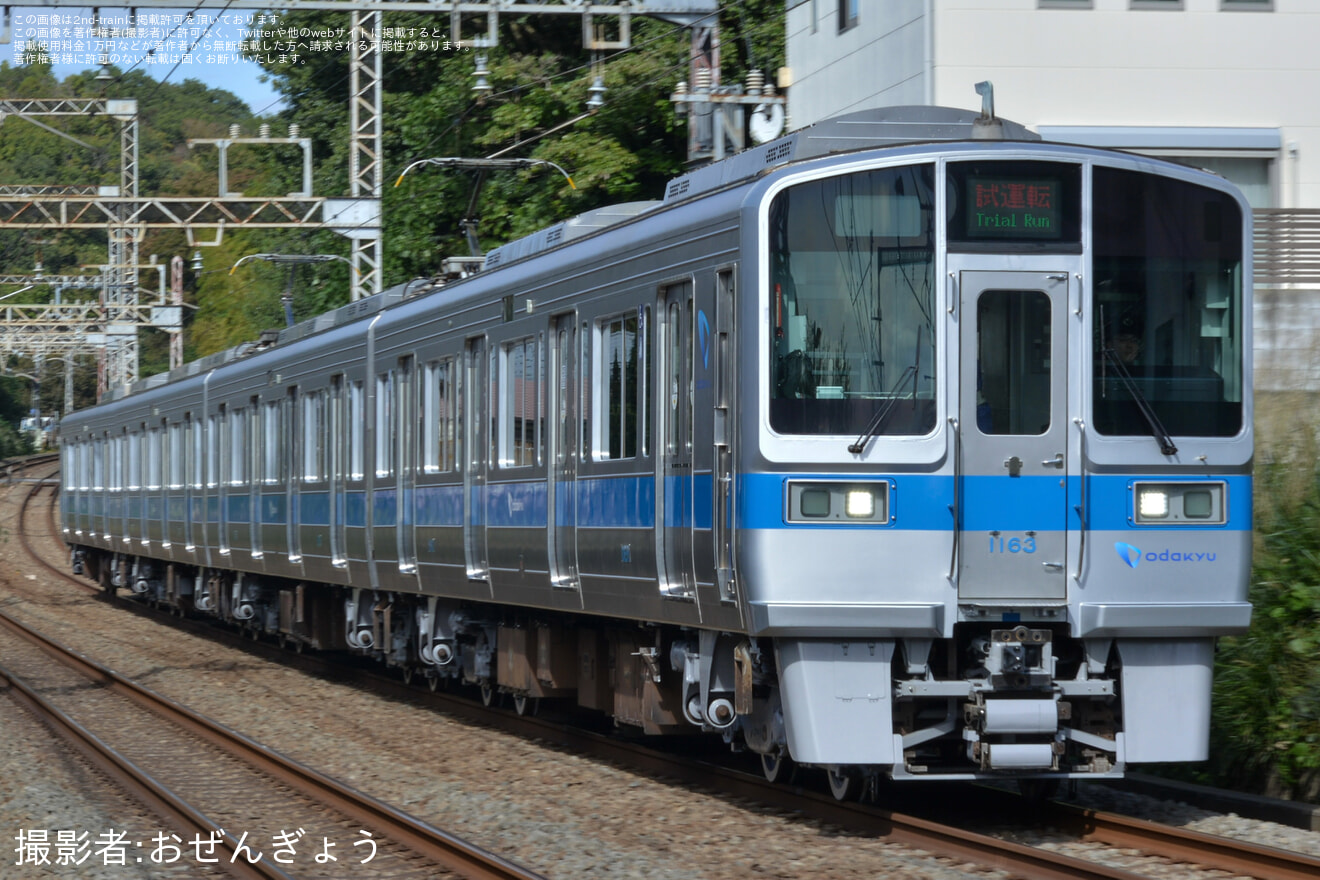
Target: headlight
<point>1152,503</point>
<point>1189,503</point>
<point>861,504</point>
<point>857,503</point>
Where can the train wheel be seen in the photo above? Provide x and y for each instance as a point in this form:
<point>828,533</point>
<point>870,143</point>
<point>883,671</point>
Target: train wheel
<point>843,785</point>
<point>525,705</point>
<point>777,767</point>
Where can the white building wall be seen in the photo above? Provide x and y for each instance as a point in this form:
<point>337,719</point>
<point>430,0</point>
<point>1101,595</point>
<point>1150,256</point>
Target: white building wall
<point>1091,63</point>
<point>882,62</point>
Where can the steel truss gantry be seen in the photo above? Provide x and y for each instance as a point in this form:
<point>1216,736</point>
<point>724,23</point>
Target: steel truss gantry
<point>359,217</point>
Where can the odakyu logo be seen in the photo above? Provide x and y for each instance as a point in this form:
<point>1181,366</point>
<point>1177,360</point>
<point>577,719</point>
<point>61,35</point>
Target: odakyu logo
<point>1133,555</point>
<point>1129,554</point>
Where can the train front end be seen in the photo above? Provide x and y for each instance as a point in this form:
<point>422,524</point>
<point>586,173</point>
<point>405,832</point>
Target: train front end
<point>997,508</point>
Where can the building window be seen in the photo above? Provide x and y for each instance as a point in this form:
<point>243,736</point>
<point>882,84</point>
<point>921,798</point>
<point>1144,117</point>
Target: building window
<point>1247,5</point>
<point>848,10</point>
<point>1168,5</point>
<point>1066,4</point>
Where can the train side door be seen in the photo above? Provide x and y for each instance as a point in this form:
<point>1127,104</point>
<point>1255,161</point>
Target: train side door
<point>406,465</point>
<point>192,476</point>
<point>292,458</point>
<point>222,481</point>
<point>337,439</point>
<point>561,484</point>
<point>674,500</point>
<point>476,434</point>
<point>1013,513</point>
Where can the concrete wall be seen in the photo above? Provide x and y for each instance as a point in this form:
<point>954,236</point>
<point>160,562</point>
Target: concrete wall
<point>1287,343</point>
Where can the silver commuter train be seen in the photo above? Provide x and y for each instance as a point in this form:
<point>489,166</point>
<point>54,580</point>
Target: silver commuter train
<point>905,444</point>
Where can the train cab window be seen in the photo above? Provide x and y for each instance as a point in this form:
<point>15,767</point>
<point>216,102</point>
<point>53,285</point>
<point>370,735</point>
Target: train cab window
<point>521,440</point>
<point>1013,362</point>
<point>1166,306</point>
<point>852,303</point>
<point>620,392</point>
<point>438,425</point>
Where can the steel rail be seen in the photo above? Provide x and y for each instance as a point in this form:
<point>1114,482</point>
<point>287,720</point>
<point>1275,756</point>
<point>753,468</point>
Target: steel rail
<point>1182,845</point>
<point>458,855</point>
<point>134,780</point>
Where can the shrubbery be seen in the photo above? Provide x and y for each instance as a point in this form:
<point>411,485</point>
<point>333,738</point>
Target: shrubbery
<point>1266,731</point>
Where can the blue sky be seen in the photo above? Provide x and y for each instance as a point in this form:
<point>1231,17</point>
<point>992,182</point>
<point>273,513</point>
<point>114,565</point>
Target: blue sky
<point>212,38</point>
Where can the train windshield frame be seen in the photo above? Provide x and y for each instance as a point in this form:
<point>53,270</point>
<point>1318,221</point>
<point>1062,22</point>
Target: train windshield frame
<point>1167,269</point>
<point>853,304</point>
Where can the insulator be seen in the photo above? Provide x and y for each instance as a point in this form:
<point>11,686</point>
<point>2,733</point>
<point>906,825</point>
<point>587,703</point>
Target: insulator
<point>596,94</point>
<point>235,130</point>
<point>264,130</point>
<point>293,130</point>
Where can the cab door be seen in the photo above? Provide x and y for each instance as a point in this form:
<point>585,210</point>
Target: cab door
<point>1012,451</point>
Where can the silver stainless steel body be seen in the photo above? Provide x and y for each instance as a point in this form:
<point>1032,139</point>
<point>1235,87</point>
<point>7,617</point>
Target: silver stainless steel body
<point>826,453</point>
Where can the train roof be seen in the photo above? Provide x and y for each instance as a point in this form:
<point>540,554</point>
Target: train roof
<point>866,129</point>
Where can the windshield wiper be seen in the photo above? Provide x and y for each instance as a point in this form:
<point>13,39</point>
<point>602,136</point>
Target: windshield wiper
<point>1156,426</point>
<point>873,427</point>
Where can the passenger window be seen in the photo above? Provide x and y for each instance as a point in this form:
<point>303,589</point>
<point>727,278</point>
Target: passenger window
<point>619,388</point>
<point>522,437</point>
<point>385,424</point>
<point>313,430</point>
<point>438,418</point>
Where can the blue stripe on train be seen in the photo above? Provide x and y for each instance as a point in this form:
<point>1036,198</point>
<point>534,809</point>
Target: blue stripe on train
<point>919,502</point>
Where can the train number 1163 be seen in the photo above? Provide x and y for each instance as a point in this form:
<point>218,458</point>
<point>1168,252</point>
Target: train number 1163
<point>1002,544</point>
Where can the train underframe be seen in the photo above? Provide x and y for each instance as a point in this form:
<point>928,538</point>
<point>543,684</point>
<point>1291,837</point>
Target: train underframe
<point>1015,701</point>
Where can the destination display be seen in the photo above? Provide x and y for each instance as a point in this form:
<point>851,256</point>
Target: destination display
<point>1030,204</point>
<point>1011,208</point>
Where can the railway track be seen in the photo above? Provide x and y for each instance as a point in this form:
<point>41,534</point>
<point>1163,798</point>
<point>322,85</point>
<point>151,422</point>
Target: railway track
<point>224,789</point>
<point>931,834</point>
